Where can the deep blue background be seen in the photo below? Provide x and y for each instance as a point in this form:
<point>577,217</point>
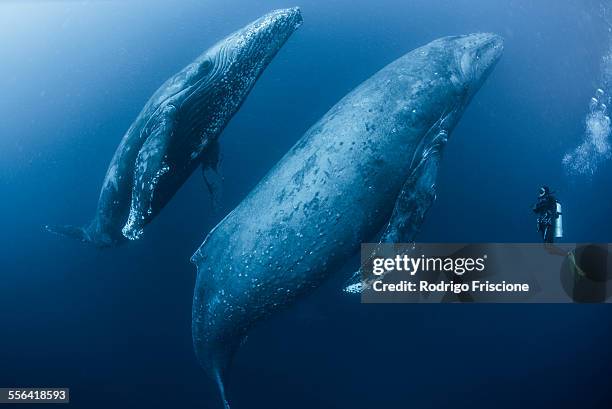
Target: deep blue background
<point>114,325</point>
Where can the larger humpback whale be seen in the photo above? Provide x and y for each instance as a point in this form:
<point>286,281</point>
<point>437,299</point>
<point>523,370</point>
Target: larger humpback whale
<point>372,157</point>
<point>178,129</point>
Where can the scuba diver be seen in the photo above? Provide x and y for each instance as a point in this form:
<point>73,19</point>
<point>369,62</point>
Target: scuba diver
<point>549,215</point>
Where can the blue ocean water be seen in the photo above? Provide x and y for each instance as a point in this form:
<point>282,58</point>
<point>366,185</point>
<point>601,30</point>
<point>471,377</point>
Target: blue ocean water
<point>115,325</point>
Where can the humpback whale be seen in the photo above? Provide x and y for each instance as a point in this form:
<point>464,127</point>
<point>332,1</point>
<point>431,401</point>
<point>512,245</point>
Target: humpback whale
<point>178,129</point>
<point>370,162</point>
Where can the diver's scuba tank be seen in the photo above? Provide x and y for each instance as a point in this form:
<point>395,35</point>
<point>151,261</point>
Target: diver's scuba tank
<point>559,222</point>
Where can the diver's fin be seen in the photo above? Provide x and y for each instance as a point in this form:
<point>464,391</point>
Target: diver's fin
<point>75,232</point>
<point>210,172</point>
<point>414,200</point>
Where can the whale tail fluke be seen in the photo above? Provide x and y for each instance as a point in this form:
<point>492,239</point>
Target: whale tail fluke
<point>75,232</point>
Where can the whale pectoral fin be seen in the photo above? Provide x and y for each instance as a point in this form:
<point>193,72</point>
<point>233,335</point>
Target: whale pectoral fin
<point>413,203</point>
<point>151,165</point>
<point>210,171</point>
<point>414,200</point>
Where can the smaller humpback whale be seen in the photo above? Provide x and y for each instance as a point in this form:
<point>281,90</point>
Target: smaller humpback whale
<point>178,129</point>
<point>370,162</point>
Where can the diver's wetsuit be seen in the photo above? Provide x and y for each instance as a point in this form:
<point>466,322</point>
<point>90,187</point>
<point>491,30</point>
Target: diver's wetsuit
<point>546,209</point>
